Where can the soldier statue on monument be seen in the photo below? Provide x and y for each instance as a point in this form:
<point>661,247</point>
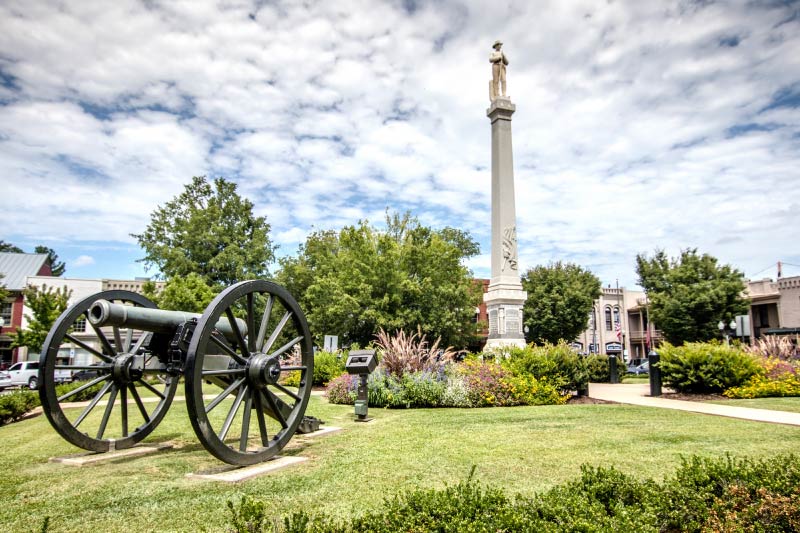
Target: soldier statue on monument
<point>499,61</point>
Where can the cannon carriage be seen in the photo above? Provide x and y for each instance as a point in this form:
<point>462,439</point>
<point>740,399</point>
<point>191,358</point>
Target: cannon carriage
<point>235,359</point>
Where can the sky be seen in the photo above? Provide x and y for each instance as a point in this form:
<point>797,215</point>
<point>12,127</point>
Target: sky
<point>640,125</point>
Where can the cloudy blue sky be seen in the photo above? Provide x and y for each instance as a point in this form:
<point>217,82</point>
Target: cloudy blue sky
<point>639,124</point>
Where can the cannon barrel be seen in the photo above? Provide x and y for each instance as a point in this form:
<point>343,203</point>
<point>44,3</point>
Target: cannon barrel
<point>105,313</point>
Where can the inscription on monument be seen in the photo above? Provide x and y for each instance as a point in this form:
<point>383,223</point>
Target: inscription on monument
<point>493,322</point>
<point>512,320</point>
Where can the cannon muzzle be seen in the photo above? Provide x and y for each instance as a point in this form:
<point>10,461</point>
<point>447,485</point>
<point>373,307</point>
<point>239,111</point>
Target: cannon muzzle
<point>104,313</point>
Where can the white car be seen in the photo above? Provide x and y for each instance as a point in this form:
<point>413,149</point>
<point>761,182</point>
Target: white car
<point>26,374</point>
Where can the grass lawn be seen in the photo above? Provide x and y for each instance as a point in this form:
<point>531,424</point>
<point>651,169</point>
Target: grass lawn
<point>524,449</point>
<point>777,404</point>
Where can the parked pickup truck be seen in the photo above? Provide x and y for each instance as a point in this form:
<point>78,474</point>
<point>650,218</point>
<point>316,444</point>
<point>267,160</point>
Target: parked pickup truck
<point>26,374</point>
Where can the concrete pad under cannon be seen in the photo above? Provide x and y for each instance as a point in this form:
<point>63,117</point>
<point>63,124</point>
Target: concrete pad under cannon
<point>88,458</point>
<point>321,432</point>
<point>234,474</point>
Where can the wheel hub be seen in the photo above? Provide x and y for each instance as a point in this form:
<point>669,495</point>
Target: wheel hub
<point>263,370</point>
<point>127,368</point>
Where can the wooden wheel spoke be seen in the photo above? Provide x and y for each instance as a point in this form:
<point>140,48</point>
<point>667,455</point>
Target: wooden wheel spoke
<point>232,413</point>
<point>224,372</point>
<point>123,408</point>
<point>82,388</point>
<point>152,389</point>
<point>107,413</point>
<point>287,391</point>
<point>225,348</point>
<point>224,394</point>
<point>291,368</point>
<point>262,423</point>
<point>277,332</point>
<point>139,403</point>
<point>237,333</point>
<point>126,346</point>
<point>88,348</point>
<point>262,331</point>
<point>103,340</point>
<point>286,346</point>
<point>144,337</point>
<point>94,401</point>
<point>117,339</point>
<point>248,405</point>
<point>251,324</point>
<point>105,368</point>
<point>275,405</point>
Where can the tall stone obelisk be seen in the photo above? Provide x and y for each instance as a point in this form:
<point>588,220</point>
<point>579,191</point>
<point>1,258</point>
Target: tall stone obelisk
<point>505,296</point>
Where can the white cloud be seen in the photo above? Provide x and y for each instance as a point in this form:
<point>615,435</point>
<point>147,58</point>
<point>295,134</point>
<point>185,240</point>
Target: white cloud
<point>82,261</point>
<point>324,114</point>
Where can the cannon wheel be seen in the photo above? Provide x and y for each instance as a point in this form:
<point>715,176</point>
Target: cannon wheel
<point>94,426</point>
<point>251,369</point>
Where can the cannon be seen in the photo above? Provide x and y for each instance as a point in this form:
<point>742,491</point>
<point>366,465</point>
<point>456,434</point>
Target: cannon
<point>246,361</point>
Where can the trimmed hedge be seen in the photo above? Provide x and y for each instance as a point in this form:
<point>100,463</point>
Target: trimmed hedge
<point>704,495</point>
<point>706,367</point>
<point>14,405</point>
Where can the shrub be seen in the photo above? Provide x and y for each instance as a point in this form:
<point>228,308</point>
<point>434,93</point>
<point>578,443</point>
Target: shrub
<point>327,366</point>
<point>703,495</point>
<point>342,390</point>
<point>706,367</point>
<point>424,389</point>
<point>487,384</point>
<point>403,353</point>
<point>598,369</point>
<point>762,387</point>
<point>16,404</point>
<point>527,390</point>
<point>559,364</point>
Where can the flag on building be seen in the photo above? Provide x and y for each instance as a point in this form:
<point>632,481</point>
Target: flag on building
<point>618,330</point>
<point>647,338</point>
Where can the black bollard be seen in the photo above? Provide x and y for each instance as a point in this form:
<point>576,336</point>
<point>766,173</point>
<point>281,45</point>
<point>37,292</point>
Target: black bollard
<point>655,373</point>
<point>613,375</point>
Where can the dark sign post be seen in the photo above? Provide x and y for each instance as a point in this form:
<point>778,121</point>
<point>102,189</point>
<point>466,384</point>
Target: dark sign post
<point>655,373</point>
<point>361,363</point>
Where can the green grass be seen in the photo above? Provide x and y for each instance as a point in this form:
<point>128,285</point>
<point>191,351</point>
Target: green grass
<point>777,404</point>
<point>524,449</point>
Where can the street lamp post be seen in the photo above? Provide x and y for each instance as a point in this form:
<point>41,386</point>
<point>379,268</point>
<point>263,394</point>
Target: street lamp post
<point>727,329</point>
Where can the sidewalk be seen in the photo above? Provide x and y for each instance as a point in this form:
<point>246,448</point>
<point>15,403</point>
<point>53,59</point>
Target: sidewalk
<point>638,394</point>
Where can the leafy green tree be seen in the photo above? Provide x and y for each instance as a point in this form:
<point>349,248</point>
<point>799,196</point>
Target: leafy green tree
<point>190,293</point>
<point>210,230</point>
<point>46,303</point>
<point>360,279</point>
<point>560,298</point>
<point>10,248</point>
<point>3,291</point>
<point>690,294</point>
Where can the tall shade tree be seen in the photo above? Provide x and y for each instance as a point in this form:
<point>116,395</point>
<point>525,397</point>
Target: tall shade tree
<point>360,279</point>
<point>10,248</point>
<point>560,299</point>
<point>210,230</point>
<point>46,304</point>
<point>690,294</point>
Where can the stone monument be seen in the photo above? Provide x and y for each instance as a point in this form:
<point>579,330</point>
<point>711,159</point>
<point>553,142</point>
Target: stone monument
<point>505,296</point>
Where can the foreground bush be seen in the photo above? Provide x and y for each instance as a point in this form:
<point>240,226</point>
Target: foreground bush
<point>327,366</point>
<point>558,363</point>
<point>14,405</point>
<point>704,495</point>
<point>706,367</point>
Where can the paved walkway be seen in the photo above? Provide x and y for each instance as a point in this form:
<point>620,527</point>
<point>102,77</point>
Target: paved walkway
<point>638,394</point>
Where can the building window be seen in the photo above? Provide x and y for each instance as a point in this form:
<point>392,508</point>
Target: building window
<point>616,316</point>
<point>5,312</point>
<point>79,326</point>
<point>609,324</point>
<point>591,320</point>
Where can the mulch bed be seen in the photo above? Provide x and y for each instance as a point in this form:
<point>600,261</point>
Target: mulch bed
<point>581,400</point>
<point>693,397</point>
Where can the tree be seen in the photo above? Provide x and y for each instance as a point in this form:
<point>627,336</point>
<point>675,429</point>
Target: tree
<point>210,230</point>
<point>690,294</point>
<point>190,293</point>
<point>57,267</point>
<point>360,279</point>
<point>46,304</point>
<point>10,248</point>
<point>560,299</point>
